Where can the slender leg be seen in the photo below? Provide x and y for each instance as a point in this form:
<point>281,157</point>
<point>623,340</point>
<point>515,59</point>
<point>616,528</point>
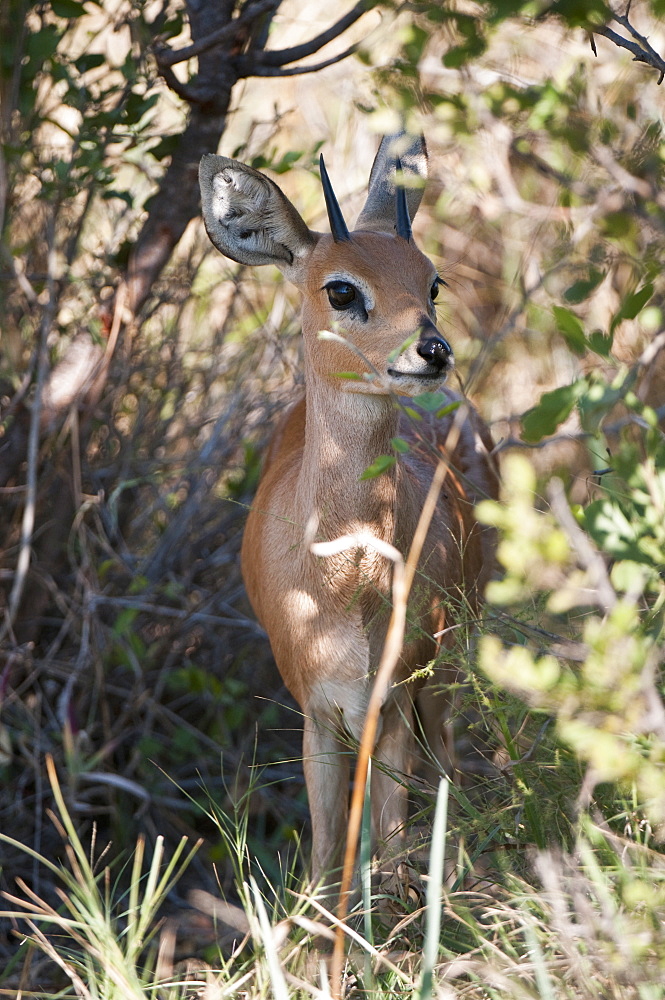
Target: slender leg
<point>326,767</point>
<point>393,752</point>
<point>434,711</point>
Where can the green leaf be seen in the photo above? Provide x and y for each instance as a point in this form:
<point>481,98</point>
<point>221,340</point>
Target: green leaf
<point>165,147</point>
<point>400,445</point>
<point>393,356</point>
<point>554,407</point>
<point>571,329</point>
<point>450,408</point>
<point>619,225</point>
<point>351,376</point>
<point>89,60</point>
<point>613,531</point>
<point>582,13</point>
<point>582,289</point>
<point>601,344</point>
<point>68,8</point>
<point>456,57</point>
<point>43,43</point>
<point>124,623</point>
<point>431,401</point>
<point>632,305</point>
<point>137,105</point>
<point>381,464</point>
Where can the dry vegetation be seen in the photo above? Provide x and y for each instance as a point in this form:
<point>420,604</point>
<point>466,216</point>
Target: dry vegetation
<point>129,653</point>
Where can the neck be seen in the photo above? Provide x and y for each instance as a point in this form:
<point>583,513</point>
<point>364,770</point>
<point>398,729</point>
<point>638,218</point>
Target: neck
<point>345,432</point>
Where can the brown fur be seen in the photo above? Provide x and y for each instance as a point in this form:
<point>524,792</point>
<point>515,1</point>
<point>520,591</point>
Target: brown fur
<point>327,617</point>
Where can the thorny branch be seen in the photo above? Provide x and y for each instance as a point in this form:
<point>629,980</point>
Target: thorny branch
<point>640,47</point>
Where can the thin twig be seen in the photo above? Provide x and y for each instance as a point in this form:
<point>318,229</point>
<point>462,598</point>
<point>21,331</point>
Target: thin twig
<point>181,614</point>
<point>27,527</point>
<point>513,442</point>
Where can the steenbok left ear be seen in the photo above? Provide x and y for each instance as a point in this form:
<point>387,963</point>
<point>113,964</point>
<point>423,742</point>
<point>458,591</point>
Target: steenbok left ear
<point>249,219</point>
<point>379,211</point>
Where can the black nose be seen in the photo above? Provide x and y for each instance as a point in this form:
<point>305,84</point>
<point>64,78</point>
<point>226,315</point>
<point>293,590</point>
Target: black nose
<point>435,350</point>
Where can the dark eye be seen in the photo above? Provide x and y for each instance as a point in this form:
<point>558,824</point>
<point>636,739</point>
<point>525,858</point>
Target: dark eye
<point>434,290</point>
<point>341,294</point>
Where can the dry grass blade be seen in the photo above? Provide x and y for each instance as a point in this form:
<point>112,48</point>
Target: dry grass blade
<point>403,575</point>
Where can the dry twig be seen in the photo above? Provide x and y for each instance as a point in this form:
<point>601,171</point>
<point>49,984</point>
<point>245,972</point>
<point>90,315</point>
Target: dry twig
<point>640,46</point>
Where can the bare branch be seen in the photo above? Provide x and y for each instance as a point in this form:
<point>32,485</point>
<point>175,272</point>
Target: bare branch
<point>168,57</point>
<point>300,70</point>
<point>284,56</point>
<point>193,95</point>
<point>641,48</point>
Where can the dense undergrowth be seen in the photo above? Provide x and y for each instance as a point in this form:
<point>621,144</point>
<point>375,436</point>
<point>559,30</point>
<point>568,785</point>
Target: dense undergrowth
<point>153,823</point>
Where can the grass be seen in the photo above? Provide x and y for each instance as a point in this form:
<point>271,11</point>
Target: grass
<point>583,925</point>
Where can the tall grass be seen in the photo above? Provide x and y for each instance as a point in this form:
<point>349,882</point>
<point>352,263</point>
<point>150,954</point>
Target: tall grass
<point>585,925</point>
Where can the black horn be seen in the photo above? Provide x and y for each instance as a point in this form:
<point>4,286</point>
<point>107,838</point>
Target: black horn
<point>402,209</point>
<point>338,226</point>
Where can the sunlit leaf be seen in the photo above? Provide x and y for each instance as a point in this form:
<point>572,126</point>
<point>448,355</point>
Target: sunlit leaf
<point>554,407</point>
<point>571,329</point>
<point>632,305</point>
<point>381,464</point>
<point>431,401</point>
<point>450,408</point>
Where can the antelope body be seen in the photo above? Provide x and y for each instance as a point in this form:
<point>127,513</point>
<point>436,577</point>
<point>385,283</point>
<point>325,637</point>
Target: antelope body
<point>327,617</point>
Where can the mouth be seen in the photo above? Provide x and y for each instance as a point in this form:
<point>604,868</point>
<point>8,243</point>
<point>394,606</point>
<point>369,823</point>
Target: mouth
<point>435,376</point>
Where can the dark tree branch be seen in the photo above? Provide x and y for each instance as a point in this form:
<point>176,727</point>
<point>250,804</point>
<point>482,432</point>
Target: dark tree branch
<point>227,33</point>
<point>228,49</point>
<point>299,70</point>
<point>262,29</point>
<point>193,95</point>
<point>284,56</point>
<point>641,49</point>
<point>177,200</point>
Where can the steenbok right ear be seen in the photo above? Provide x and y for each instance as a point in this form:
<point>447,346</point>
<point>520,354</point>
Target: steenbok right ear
<point>249,219</point>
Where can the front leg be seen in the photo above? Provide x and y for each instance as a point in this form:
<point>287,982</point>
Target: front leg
<point>326,765</point>
<point>393,757</point>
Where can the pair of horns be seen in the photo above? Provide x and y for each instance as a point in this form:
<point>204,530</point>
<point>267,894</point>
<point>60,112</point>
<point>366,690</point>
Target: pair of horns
<point>338,226</point>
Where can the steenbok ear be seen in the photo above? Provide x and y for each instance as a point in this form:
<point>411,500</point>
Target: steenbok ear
<point>249,219</point>
<point>379,211</point>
